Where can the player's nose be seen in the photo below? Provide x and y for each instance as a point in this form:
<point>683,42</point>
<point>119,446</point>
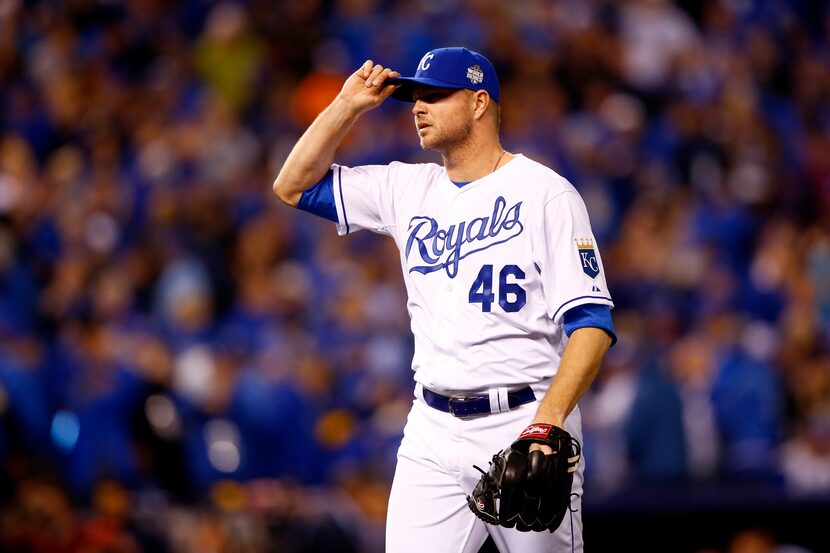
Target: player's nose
<point>419,107</point>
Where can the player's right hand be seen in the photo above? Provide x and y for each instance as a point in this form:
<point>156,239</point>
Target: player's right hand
<point>367,88</point>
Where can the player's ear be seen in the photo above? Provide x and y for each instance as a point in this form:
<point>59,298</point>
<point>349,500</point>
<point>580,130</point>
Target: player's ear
<point>481,101</point>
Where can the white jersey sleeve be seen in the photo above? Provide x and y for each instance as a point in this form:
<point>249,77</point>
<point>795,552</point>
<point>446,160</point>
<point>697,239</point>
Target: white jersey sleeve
<point>566,253</point>
<point>365,197</point>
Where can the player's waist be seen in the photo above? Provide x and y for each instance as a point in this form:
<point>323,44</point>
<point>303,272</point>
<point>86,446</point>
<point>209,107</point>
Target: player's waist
<point>493,400</point>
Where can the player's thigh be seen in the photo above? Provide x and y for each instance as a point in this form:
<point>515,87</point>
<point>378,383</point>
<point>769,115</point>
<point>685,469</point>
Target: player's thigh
<point>428,512</point>
<point>427,506</point>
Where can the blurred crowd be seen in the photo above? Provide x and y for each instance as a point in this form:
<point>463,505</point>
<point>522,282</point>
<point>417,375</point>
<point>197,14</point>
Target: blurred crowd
<point>170,336</point>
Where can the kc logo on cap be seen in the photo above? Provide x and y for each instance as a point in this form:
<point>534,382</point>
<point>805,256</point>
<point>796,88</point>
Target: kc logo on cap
<point>424,65</point>
<point>454,67</point>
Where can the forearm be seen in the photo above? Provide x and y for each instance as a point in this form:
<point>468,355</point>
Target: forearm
<point>580,363</point>
<point>314,152</point>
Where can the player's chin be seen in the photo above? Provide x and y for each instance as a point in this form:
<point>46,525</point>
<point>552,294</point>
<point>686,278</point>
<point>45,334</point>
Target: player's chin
<point>424,139</point>
<point>428,140</point>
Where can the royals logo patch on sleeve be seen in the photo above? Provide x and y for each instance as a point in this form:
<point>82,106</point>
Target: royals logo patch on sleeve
<point>587,256</point>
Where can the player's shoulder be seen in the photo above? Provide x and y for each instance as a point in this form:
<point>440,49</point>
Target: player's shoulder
<point>416,169</point>
<point>396,176</point>
<point>541,180</point>
<point>397,167</point>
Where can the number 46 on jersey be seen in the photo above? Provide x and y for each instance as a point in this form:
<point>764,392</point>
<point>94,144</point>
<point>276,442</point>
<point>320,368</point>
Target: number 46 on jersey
<point>512,297</point>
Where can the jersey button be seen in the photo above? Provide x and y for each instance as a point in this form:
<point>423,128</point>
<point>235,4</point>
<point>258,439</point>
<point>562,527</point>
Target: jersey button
<point>449,287</point>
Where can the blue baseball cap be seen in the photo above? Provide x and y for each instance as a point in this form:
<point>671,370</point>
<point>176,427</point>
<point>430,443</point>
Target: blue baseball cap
<point>450,68</point>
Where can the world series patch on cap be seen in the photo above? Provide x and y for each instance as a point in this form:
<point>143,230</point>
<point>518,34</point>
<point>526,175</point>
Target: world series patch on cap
<point>450,68</point>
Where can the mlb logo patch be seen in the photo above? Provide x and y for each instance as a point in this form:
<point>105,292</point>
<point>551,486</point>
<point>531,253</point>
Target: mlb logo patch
<point>587,256</point>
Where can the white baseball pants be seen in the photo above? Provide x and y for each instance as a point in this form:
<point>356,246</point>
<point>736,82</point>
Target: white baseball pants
<point>428,508</point>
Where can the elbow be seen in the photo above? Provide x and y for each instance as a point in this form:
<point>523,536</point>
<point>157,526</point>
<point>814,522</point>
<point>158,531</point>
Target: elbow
<point>284,192</point>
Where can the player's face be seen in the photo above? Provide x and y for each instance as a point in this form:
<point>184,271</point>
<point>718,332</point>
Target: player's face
<point>443,117</point>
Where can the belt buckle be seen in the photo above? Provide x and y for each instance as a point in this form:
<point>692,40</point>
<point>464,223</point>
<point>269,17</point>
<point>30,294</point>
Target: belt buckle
<point>462,400</point>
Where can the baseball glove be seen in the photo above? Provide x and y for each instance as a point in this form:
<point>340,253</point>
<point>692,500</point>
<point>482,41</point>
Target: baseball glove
<point>528,491</point>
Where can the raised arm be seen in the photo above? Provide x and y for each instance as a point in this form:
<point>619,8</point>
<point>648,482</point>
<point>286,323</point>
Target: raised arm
<point>313,154</point>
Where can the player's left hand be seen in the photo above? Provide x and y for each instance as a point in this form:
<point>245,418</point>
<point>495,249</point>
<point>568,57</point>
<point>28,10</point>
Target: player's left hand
<point>545,449</point>
<point>533,487</point>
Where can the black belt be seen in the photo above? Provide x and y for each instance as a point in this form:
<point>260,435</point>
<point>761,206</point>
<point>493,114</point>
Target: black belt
<point>465,406</point>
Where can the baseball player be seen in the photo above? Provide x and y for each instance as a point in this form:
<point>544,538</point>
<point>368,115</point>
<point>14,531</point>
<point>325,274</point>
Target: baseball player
<point>506,296</point>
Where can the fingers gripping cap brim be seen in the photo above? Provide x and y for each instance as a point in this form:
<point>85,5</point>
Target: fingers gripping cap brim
<point>407,86</point>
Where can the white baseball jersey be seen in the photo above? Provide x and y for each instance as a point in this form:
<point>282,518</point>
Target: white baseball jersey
<point>489,268</point>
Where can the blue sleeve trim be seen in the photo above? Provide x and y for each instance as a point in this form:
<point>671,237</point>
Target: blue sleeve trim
<point>342,203</point>
<point>589,315</point>
<point>319,199</point>
<point>577,299</point>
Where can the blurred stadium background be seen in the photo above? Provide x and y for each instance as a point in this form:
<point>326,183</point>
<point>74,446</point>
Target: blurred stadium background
<point>187,366</point>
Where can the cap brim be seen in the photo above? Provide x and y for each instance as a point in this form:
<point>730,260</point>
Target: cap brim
<point>408,84</point>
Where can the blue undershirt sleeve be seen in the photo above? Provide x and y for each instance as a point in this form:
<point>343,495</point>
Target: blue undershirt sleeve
<point>319,199</point>
<point>589,315</point>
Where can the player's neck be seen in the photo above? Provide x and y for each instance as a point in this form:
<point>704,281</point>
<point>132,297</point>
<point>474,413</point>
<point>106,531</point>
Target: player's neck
<point>468,162</point>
